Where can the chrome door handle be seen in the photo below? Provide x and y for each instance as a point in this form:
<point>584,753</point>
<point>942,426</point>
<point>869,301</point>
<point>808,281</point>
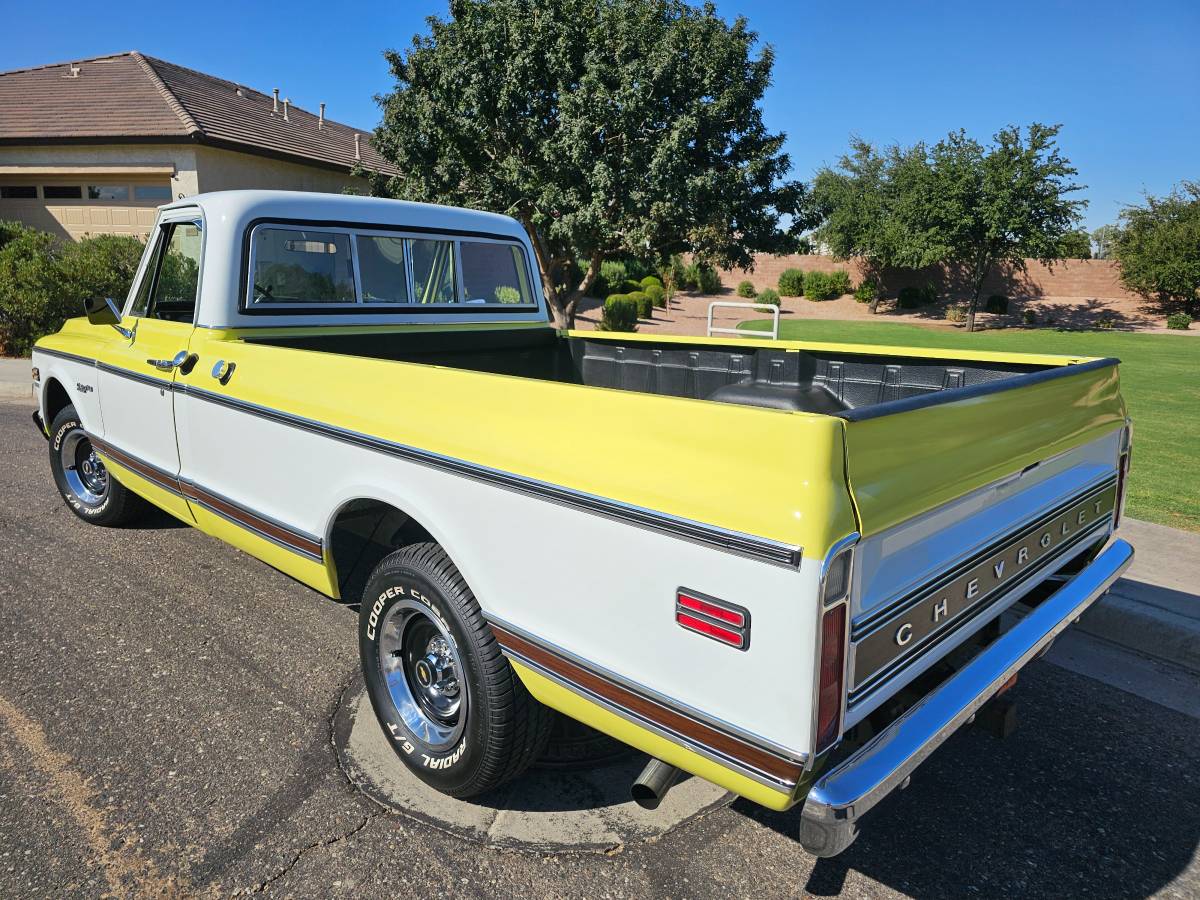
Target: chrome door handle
<point>166,365</point>
<point>222,371</point>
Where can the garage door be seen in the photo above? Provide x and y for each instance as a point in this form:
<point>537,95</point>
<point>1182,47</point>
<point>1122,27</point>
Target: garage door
<point>74,208</point>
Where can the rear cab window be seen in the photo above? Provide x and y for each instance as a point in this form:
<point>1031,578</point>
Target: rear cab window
<point>293,268</point>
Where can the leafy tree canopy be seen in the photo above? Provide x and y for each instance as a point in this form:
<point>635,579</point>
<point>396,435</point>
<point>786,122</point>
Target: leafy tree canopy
<point>1158,247</point>
<point>1075,245</point>
<point>958,203</point>
<point>607,127</point>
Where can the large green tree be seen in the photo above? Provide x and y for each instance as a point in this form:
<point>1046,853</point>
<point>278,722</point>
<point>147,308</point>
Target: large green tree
<point>1158,248</point>
<point>607,127</point>
<point>958,203</point>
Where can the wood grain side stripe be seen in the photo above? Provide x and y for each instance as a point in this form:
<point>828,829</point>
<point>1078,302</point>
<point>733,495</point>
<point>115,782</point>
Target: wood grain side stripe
<point>243,516</point>
<point>239,515</point>
<point>147,471</point>
<point>778,768</point>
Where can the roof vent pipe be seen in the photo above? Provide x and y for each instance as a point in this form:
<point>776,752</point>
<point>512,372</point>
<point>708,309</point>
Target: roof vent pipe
<point>357,151</point>
<point>286,101</point>
<point>239,90</point>
<point>321,117</point>
<point>275,101</point>
<point>73,73</point>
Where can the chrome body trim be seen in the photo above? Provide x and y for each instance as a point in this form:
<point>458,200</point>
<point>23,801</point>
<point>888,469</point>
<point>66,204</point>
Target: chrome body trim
<point>635,687</point>
<point>765,549</point>
<point>840,797</point>
<point>781,785</point>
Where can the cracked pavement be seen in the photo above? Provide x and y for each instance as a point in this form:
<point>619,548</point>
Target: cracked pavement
<point>165,706</point>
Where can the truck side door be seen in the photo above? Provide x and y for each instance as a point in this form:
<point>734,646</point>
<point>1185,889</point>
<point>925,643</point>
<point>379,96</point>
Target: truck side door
<point>137,376</point>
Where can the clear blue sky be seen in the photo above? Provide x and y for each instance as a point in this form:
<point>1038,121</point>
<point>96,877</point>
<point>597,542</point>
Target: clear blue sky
<point>1123,78</point>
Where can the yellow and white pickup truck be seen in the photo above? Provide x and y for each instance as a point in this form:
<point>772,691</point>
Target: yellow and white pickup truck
<point>779,566</point>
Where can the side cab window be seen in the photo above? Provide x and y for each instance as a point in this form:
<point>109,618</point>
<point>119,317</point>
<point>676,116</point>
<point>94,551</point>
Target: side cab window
<point>172,276</point>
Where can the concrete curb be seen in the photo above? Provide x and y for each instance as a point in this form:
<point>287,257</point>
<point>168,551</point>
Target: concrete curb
<point>1155,609</point>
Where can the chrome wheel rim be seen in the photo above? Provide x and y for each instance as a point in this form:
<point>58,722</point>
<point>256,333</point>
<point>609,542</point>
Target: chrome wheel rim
<point>419,664</point>
<point>85,473</point>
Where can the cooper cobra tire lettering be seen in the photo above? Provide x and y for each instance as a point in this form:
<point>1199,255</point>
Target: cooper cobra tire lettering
<point>117,505</point>
<point>421,634</point>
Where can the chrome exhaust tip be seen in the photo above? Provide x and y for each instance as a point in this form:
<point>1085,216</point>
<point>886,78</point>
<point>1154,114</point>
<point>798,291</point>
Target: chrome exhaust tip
<point>654,782</point>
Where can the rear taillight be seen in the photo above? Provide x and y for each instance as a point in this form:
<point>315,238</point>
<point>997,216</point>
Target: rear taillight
<point>833,667</point>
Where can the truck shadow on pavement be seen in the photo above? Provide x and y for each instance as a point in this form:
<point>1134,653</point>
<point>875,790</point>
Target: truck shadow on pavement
<point>1092,796</point>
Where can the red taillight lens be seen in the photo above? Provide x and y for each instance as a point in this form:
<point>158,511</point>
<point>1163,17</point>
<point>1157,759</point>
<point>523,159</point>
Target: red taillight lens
<point>717,619</point>
<point>723,613</point>
<point>712,630</point>
<point>833,659</point>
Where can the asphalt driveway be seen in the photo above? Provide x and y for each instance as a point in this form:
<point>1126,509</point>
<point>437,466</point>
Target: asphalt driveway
<point>165,707</point>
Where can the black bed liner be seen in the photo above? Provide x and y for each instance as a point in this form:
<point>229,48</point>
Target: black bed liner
<point>852,386</point>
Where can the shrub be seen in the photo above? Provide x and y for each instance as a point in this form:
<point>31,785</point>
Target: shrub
<point>839,282</point>
<point>1029,317</point>
<point>1105,322</point>
<point>507,294</point>
<point>956,314</point>
<point>656,293</point>
<point>997,303</point>
<point>791,283</point>
<point>710,281</point>
<point>819,286</point>
<point>620,313</point>
<point>865,292</point>
<point>645,306</point>
<point>929,293</point>
<point>769,296</point>
<point>651,281</point>
<point>1180,321</point>
<point>612,276</point>
<point>43,283</point>
<point>745,288</point>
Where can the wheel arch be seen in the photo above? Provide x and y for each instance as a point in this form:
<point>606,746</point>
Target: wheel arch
<point>55,399</point>
<point>363,530</point>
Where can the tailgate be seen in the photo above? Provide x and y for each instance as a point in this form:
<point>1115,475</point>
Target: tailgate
<point>910,456</point>
<point>967,498</point>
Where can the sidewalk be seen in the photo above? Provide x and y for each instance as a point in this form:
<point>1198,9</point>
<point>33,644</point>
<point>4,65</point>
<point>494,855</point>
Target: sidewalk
<point>16,383</point>
<point>1155,608</point>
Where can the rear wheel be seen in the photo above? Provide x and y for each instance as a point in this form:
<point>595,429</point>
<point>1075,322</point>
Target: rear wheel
<point>453,708</point>
<point>82,478</point>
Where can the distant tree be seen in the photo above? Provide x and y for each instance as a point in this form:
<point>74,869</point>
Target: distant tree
<point>607,127</point>
<point>957,203</point>
<point>858,204</point>
<point>1104,239</point>
<point>1075,245</point>
<point>1158,248</point>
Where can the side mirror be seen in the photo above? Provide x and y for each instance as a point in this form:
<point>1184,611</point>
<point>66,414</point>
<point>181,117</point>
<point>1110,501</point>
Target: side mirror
<point>104,312</point>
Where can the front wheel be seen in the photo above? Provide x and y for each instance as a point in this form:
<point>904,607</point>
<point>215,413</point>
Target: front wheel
<point>81,477</point>
<point>453,708</point>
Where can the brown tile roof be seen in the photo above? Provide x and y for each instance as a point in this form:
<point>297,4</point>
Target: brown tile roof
<point>130,96</point>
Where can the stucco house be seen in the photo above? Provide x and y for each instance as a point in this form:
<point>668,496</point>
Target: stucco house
<point>95,145</point>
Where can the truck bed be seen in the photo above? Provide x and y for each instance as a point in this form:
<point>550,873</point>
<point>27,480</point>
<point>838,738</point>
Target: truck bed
<point>846,384</point>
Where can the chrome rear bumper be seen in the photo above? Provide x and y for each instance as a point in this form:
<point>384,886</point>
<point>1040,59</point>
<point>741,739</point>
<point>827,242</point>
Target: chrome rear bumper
<point>840,797</point>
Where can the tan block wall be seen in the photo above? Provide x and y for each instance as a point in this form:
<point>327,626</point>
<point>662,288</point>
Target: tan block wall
<point>1085,278</point>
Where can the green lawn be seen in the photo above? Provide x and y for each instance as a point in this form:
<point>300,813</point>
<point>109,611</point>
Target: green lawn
<point>1160,379</point>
